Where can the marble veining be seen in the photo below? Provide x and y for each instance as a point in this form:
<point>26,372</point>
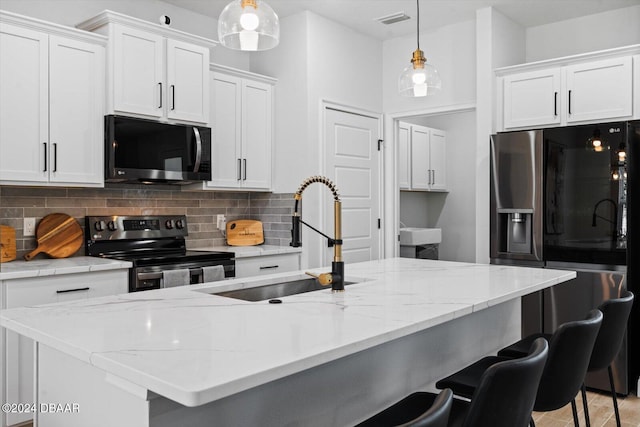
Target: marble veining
<point>48,267</point>
<point>193,347</point>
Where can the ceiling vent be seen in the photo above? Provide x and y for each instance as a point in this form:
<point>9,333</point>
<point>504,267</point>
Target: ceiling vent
<point>393,18</point>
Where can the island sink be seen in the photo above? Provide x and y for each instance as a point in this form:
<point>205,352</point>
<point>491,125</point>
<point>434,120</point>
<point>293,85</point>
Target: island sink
<point>276,290</point>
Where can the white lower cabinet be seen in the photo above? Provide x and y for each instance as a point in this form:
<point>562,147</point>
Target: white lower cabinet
<point>18,368</point>
<point>267,264</point>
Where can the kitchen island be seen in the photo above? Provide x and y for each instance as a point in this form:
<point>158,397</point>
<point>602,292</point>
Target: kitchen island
<point>182,356</point>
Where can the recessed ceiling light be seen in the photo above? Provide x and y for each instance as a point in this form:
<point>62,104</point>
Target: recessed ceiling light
<point>393,18</point>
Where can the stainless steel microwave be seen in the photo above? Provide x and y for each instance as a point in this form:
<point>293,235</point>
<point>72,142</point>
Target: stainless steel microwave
<point>147,151</point>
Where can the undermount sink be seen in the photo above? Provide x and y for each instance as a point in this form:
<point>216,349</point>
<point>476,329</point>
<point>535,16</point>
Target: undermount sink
<point>261,291</point>
<point>414,236</point>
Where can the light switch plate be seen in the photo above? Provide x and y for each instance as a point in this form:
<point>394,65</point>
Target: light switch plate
<point>29,227</point>
<point>221,222</point>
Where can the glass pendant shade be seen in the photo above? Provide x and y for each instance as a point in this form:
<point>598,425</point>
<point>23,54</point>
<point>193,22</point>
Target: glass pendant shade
<point>419,79</point>
<point>249,25</point>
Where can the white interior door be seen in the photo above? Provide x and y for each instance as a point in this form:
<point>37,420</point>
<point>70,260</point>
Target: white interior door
<point>353,164</point>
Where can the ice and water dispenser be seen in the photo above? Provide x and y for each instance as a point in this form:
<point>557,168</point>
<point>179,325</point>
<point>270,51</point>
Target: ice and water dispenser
<point>516,197</point>
<point>515,229</point>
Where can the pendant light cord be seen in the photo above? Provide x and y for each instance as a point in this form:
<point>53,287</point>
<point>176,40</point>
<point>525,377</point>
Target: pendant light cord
<point>418,22</point>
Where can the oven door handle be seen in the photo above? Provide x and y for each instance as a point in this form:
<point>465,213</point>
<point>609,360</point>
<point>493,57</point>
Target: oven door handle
<point>149,276</point>
<point>158,274</point>
<point>196,166</point>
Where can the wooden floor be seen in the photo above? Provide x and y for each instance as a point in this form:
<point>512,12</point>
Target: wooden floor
<point>600,412</point>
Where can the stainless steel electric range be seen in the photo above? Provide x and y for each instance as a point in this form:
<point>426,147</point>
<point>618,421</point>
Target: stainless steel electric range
<point>153,244</point>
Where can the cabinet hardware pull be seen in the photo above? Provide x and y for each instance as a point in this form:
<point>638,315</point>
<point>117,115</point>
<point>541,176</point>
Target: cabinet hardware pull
<point>433,180</point>
<point>55,157</point>
<point>244,169</point>
<point>429,176</point>
<point>555,103</point>
<point>268,267</point>
<point>72,290</point>
<point>569,101</point>
<point>239,169</point>
<point>196,165</point>
<point>45,157</point>
<point>160,84</point>
<point>173,97</point>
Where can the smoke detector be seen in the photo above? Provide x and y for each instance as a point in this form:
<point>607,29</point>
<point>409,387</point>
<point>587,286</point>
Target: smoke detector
<point>393,18</point>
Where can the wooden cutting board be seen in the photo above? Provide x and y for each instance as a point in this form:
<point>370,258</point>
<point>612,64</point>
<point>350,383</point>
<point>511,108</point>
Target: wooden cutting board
<point>7,243</point>
<point>59,236</point>
<point>244,232</point>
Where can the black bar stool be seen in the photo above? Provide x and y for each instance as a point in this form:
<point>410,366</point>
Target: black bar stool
<point>614,324</point>
<point>504,398</point>
<point>570,350</point>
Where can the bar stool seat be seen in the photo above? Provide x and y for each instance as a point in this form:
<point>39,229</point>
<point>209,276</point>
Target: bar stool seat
<point>570,349</point>
<point>504,397</point>
<point>616,313</point>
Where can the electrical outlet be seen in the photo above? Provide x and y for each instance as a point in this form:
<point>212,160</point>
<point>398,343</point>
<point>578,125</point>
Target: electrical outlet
<point>221,222</point>
<point>29,227</point>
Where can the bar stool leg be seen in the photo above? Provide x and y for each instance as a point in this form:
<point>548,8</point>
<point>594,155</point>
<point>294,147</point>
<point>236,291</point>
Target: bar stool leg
<point>574,408</point>
<point>584,405</point>
<point>613,393</point>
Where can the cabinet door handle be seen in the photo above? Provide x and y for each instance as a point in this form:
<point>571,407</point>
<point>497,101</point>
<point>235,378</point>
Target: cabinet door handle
<point>569,101</point>
<point>244,169</point>
<point>65,291</point>
<point>55,157</point>
<point>45,157</point>
<point>239,169</point>
<point>160,85</point>
<point>267,267</point>
<point>433,179</point>
<point>555,103</point>
<point>173,97</point>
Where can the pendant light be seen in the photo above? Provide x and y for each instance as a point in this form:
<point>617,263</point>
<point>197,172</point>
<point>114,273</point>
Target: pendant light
<point>248,25</point>
<point>419,79</point>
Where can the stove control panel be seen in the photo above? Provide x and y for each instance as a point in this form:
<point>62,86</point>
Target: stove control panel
<point>134,227</point>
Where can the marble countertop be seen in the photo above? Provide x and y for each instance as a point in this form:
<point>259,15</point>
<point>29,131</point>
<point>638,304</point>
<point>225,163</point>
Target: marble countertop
<point>194,348</point>
<point>251,251</point>
<point>48,267</point>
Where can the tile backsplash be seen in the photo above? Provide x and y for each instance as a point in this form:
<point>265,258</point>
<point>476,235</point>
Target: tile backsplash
<point>200,207</point>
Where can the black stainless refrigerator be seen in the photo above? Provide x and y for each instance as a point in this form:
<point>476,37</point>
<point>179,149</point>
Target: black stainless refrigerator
<point>569,198</point>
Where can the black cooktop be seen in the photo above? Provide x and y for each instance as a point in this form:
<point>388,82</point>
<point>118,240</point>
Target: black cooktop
<point>159,258</point>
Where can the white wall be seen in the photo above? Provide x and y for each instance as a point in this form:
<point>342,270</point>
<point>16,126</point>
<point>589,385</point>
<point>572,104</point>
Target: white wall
<point>72,12</point>
<point>615,28</point>
<point>318,60</point>
<point>451,49</point>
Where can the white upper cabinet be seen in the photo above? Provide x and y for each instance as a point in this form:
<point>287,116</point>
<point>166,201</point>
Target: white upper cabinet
<point>52,104</point>
<point>600,90</point>
<point>531,99</point>
<point>188,82</point>
<point>154,71</point>
<point>242,128</point>
<point>421,158</point>
<point>404,159</point>
<point>438,160</point>
<point>584,88</point>
<point>137,71</point>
